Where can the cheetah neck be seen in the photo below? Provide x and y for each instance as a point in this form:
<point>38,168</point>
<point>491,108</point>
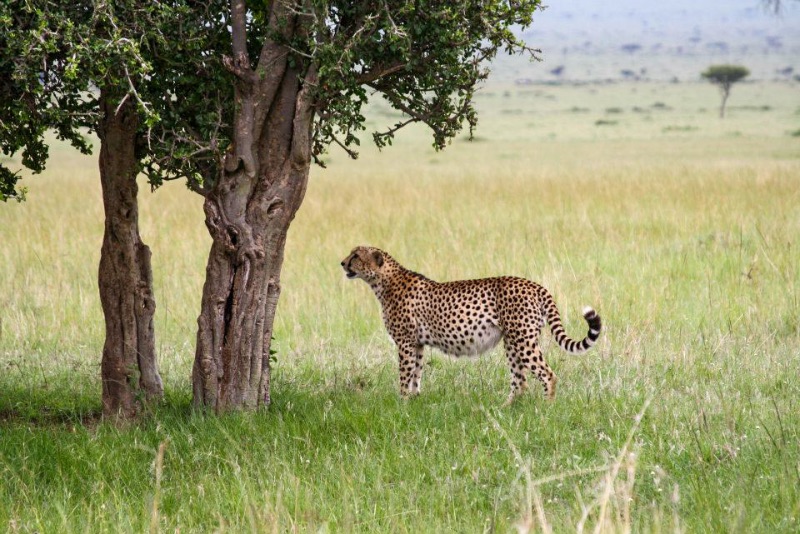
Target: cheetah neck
<point>395,283</point>
<point>378,288</point>
<point>382,288</point>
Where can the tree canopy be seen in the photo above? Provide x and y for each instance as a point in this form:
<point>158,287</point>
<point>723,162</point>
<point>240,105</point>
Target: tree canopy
<point>40,84</point>
<point>725,75</point>
<point>55,58</point>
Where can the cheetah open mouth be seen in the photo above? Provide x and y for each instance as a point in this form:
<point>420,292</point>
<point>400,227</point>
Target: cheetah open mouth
<point>349,274</point>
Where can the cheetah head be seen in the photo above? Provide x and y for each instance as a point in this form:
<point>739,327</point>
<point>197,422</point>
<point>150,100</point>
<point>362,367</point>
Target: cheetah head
<point>364,262</point>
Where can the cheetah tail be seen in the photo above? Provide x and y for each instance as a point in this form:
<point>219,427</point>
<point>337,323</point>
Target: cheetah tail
<point>570,345</point>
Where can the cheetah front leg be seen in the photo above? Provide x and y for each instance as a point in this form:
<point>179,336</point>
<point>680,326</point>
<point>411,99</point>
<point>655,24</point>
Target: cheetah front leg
<point>410,363</point>
<point>416,375</point>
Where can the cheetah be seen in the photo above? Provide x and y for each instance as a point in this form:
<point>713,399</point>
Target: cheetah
<point>466,318</point>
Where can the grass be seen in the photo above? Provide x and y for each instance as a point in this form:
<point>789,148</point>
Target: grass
<point>684,417</point>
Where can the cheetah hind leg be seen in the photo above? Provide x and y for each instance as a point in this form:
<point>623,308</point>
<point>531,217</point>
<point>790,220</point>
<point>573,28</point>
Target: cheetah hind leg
<point>539,368</point>
<point>528,360</point>
<point>519,382</point>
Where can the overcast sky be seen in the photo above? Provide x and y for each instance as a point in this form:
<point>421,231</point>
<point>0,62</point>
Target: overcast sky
<point>663,39</point>
<point>665,20</point>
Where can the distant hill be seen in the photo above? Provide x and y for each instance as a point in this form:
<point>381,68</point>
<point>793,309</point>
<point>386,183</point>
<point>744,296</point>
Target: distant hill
<point>587,40</point>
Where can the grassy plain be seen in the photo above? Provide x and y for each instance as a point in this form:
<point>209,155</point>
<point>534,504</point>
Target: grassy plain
<point>680,229</point>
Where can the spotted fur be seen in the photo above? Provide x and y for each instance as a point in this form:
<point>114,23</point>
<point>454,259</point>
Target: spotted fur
<point>466,318</point>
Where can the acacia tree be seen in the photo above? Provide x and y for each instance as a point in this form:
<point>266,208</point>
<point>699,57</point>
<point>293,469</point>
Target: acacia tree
<point>62,67</point>
<point>302,72</point>
<point>725,76</point>
<point>75,66</point>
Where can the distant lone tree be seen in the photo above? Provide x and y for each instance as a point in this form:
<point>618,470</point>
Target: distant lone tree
<point>725,76</point>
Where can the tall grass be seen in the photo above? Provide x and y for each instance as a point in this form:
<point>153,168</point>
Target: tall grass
<point>682,418</point>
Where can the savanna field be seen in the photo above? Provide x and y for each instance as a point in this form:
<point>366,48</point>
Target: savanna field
<point>681,229</point>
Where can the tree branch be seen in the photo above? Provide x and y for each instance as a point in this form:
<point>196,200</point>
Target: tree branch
<point>408,110</point>
<point>304,118</point>
<point>379,137</point>
<point>380,71</point>
<point>234,66</point>
<point>239,63</point>
<point>350,152</point>
<point>239,29</point>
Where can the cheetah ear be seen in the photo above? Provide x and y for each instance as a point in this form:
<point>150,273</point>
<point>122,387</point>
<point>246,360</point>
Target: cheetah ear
<point>378,258</point>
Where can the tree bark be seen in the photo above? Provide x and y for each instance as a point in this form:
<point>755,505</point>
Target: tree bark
<point>129,369</point>
<point>261,185</point>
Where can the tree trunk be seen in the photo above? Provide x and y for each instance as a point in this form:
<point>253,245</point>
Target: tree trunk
<point>726,90</point>
<point>248,212</point>
<point>128,368</point>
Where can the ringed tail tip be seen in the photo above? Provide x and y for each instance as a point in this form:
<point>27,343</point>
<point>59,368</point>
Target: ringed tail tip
<point>589,313</point>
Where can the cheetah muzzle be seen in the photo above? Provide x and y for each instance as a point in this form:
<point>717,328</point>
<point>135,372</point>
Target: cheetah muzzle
<point>466,318</point>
